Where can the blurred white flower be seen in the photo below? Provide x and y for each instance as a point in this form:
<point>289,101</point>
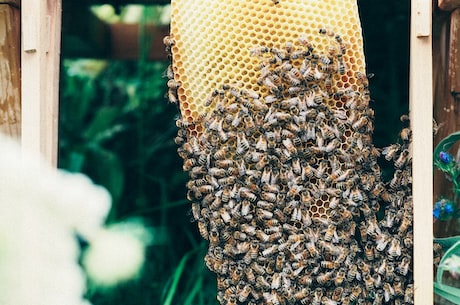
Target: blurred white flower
<point>41,211</point>
<point>116,254</point>
<point>452,264</point>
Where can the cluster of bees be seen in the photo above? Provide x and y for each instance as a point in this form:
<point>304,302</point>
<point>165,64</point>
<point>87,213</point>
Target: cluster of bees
<point>286,187</point>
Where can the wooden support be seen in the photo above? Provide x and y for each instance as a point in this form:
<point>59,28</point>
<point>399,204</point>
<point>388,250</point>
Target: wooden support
<point>41,36</point>
<point>10,75</point>
<point>421,112</point>
<point>448,5</point>
<point>13,3</point>
<point>454,55</point>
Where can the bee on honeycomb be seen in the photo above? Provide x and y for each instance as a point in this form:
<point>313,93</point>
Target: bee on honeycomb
<point>283,174</point>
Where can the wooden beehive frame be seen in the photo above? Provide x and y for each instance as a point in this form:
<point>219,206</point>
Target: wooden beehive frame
<point>40,56</point>
<point>421,112</point>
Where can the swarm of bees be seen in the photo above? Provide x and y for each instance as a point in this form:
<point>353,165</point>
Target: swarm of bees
<point>287,190</point>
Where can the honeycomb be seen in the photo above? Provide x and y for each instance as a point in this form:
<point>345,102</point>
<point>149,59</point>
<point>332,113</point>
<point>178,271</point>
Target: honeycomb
<point>275,133</point>
<point>214,40</point>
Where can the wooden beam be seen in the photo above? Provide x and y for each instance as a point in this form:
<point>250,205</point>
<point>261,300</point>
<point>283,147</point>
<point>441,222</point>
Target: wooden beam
<point>14,3</point>
<point>454,60</point>
<point>10,75</point>
<point>421,112</point>
<point>448,5</point>
<point>41,29</point>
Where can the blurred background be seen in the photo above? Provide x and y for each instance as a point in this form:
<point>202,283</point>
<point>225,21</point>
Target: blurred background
<point>117,126</point>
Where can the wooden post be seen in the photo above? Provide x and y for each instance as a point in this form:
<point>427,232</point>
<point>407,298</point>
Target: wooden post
<point>10,75</point>
<point>41,37</point>
<point>448,5</point>
<point>421,111</point>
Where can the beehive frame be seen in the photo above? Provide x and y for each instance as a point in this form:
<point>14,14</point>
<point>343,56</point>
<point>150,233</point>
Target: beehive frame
<point>421,111</point>
<point>420,30</point>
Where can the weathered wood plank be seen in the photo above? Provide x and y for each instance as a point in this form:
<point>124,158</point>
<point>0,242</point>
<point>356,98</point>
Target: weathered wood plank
<point>41,28</point>
<point>454,55</point>
<point>446,109</point>
<point>10,75</point>
<point>448,5</point>
<point>421,112</point>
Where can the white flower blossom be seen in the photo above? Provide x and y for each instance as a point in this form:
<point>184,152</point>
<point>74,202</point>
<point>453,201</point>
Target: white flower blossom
<point>41,211</point>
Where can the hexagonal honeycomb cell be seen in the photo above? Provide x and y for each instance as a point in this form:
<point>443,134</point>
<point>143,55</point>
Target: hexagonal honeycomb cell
<point>213,42</point>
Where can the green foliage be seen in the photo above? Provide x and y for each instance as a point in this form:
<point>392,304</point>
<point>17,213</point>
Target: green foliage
<point>117,127</point>
<point>449,262</point>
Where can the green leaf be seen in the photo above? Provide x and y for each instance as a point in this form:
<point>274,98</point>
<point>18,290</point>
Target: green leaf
<point>445,145</point>
<point>447,242</point>
<point>176,277</point>
<point>453,250</point>
<point>103,120</point>
<point>107,170</point>
<point>447,292</point>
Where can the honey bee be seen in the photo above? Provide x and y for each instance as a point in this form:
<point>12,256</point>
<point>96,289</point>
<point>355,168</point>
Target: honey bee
<point>275,236</point>
<point>402,159</point>
<point>268,82</point>
<point>168,41</point>
<point>405,223</point>
<point>196,211</point>
<point>189,164</point>
<point>169,73</point>
<point>268,196</point>
<point>328,264</point>
<point>390,151</point>
<point>405,134</point>
<point>276,281</point>
<point>261,282</point>
<point>203,229</point>
<point>377,278</point>
<point>409,294</point>
<point>261,162</point>
<point>327,301</point>
<point>403,267</point>
<point>352,273</point>
<point>388,292</point>
<point>258,51</point>
<point>317,296</point>
<point>369,251</point>
<point>247,194</point>
<point>342,68</point>
<point>360,123</point>
<point>242,145</point>
<point>262,236</point>
<point>395,247</point>
<point>312,249</point>
<point>245,207</point>
<point>389,273</point>
<point>327,32</point>
<point>381,242</point>
<point>301,294</point>
<point>213,237</point>
<point>330,232</point>
<point>339,277</point>
<point>355,293</point>
<point>248,229</point>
